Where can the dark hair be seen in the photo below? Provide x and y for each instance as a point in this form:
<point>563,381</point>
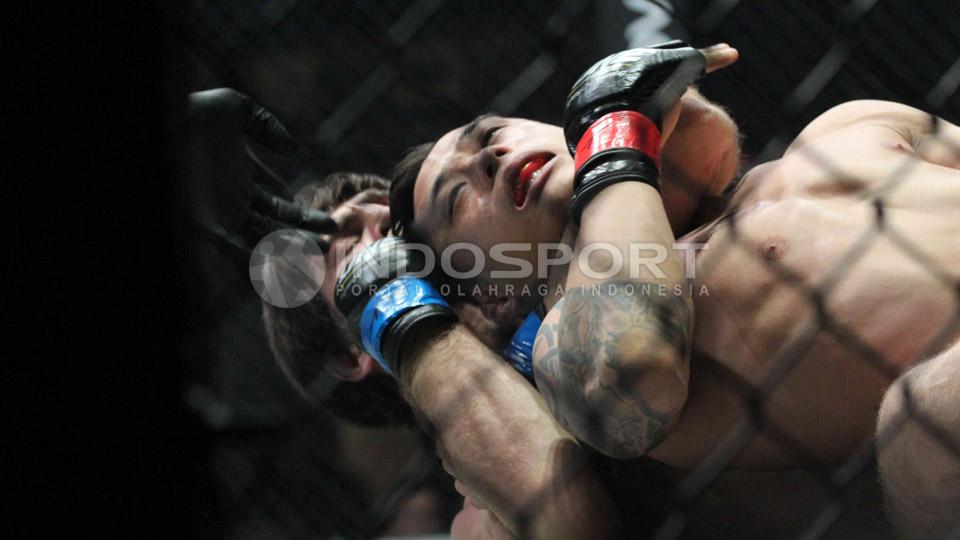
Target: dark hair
<point>402,182</point>
<point>305,338</point>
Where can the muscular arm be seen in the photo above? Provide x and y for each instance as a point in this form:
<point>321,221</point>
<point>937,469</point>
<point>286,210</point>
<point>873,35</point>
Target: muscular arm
<point>610,366</point>
<point>611,357</point>
<point>497,438</point>
<point>699,159</point>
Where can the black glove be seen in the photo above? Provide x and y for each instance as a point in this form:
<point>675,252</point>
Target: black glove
<point>614,112</point>
<point>383,302</point>
<point>239,198</point>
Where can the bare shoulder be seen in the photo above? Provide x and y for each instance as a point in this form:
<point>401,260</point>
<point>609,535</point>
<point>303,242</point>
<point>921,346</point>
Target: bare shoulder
<point>908,123</point>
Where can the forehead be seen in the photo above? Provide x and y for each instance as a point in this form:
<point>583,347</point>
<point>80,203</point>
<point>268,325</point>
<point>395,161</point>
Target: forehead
<point>450,148</point>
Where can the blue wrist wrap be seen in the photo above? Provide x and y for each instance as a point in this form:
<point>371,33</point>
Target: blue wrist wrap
<point>389,303</point>
<point>520,349</point>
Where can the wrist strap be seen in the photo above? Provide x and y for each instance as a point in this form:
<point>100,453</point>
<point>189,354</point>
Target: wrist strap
<point>388,304</point>
<point>607,168</point>
<point>619,129</point>
<point>520,350</point>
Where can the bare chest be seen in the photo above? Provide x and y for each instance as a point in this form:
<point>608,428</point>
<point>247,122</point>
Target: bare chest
<point>837,269</point>
<point>816,253</point>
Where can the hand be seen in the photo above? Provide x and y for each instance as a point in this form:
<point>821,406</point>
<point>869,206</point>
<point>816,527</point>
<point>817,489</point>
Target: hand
<point>615,115</point>
<point>239,198</point>
<point>384,306</point>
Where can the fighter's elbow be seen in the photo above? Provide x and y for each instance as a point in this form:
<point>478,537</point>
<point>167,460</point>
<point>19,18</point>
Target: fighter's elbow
<point>584,513</point>
<point>593,517</point>
<point>567,500</point>
<point>635,405</point>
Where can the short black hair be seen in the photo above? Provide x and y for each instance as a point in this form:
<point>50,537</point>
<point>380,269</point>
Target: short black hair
<point>402,182</point>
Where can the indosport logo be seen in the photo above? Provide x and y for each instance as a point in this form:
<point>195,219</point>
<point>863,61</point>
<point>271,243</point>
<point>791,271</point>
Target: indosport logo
<point>286,268</point>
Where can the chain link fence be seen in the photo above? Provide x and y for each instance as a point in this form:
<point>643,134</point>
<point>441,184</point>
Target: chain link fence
<point>360,82</point>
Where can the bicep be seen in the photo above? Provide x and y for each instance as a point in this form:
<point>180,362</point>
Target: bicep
<point>702,154</point>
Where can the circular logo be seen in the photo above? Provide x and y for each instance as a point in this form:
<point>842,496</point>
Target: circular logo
<point>286,268</point>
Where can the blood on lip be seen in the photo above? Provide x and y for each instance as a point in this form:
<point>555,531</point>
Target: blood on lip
<point>523,179</point>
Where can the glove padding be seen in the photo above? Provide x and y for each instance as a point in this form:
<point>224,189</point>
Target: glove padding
<point>238,197</point>
<point>647,80</point>
<point>614,113</point>
<point>383,302</point>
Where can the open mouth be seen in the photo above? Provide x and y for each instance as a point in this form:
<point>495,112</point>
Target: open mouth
<point>529,173</point>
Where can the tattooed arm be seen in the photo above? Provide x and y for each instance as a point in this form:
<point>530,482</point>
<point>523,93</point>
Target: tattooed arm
<point>611,358</point>
<point>611,366</point>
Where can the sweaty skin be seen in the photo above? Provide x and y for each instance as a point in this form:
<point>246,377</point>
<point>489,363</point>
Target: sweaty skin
<point>804,227</point>
<point>801,216</point>
<point>813,214</point>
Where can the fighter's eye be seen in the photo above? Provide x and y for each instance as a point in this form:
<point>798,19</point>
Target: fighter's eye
<point>488,134</point>
<point>452,198</point>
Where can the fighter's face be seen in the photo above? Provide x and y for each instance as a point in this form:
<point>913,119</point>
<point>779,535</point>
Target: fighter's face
<point>495,180</point>
<point>363,219</point>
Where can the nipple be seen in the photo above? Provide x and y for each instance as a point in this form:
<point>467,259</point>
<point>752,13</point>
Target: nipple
<point>774,248</point>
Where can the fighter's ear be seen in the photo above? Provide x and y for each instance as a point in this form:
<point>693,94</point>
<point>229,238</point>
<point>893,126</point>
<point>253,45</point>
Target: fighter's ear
<point>353,367</point>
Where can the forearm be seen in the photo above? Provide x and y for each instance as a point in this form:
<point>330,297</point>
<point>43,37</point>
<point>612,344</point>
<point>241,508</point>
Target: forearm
<point>699,155</point>
<point>496,436</point>
<point>625,235</point>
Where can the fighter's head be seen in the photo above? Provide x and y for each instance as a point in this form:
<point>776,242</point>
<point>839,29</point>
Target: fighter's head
<point>495,180</point>
<point>311,342</point>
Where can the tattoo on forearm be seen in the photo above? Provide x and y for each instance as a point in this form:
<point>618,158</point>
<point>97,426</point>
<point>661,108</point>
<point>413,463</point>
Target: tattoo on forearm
<point>591,366</point>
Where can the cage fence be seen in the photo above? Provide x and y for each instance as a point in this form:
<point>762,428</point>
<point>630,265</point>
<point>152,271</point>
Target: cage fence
<point>360,82</point>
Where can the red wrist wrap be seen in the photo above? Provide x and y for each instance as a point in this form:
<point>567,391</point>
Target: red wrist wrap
<point>620,129</point>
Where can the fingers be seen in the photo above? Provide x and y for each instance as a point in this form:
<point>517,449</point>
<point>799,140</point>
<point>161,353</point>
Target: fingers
<point>265,128</point>
<point>291,215</point>
<point>719,56</point>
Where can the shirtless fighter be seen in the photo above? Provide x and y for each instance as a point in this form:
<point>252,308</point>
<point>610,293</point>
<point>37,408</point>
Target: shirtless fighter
<point>831,269</point>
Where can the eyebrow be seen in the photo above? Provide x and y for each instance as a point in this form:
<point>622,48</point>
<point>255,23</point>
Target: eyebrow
<point>468,131</point>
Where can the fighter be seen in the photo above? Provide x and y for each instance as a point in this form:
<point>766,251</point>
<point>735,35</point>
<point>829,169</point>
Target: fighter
<point>831,269</point>
<point>530,431</point>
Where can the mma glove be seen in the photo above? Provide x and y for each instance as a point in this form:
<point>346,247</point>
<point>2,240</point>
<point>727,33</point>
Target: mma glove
<point>240,199</point>
<point>519,352</point>
<point>613,116</point>
<point>384,301</point>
